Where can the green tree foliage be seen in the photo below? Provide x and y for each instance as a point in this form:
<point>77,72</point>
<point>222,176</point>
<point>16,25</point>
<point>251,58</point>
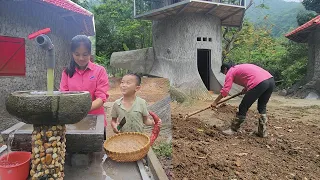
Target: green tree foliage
<point>305,16</point>
<point>312,8</point>
<point>293,63</point>
<point>313,5</point>
<point>117,30</point>
<point>83,3</point>
<point>262,42</point>
<point>278,15</point>
<point>229,36</point>
<point>284,59</point>
<point>256,45</point>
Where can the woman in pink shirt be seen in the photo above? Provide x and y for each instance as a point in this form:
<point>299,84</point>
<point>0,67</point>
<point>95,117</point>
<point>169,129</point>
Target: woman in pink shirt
<point>258,85</point>
<point>84,75</point>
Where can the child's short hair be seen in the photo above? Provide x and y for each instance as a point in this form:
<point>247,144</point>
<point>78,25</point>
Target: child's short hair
<point>137,77</point>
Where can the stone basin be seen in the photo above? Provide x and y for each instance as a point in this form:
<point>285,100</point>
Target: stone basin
<point>40,108</point>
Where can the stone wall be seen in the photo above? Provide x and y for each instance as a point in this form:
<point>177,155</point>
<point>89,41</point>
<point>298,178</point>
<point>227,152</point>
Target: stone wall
<point>312,88</point>
<point>309,87</point>
<point>137,61</point>
<point>317,60</point>
<point>314,55</point>
<point>19,19</point>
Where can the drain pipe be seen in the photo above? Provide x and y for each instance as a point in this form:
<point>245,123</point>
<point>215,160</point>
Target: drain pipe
<point>45,43</point>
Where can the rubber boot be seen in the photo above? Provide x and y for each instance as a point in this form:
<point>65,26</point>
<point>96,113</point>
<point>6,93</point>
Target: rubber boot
<point>235,125</point>
<point>262,127</point>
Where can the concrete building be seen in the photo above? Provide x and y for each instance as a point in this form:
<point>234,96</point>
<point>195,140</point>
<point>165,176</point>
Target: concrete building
<point>310,33</point>
<point>187,43</point>
<point>22,62</point>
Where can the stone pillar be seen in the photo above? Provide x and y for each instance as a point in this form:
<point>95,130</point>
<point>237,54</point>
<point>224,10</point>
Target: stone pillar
<point>316,41</point>
<point>48,152</point>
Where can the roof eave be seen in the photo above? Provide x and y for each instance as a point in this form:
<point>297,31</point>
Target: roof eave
<point>305,28</point>
<point>297,37</point>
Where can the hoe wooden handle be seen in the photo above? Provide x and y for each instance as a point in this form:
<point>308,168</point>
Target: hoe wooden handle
<point>222,101</point>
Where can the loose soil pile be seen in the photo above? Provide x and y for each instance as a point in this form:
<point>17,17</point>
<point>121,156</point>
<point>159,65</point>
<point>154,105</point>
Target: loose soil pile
<point>200,151</point>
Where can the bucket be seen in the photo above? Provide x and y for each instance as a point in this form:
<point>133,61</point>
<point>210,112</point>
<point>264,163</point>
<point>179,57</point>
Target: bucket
<point>17,167</point>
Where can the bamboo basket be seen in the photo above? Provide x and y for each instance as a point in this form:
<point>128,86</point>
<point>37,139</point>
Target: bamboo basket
<point>130,156</point>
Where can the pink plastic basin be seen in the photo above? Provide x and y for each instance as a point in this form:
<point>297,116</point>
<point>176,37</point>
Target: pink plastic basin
<point>17,167</point>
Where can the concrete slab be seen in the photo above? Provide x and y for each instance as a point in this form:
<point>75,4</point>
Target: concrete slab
<point>89,132</point>
<point>80,160</point>
<point>143,171</point>
<point>98,169</point>
<point>122,171</point>
<point>93,171</point>
<point>156,167</point>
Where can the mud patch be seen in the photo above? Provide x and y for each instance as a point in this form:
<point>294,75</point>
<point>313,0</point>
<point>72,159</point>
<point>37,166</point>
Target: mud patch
<point>200,151</point>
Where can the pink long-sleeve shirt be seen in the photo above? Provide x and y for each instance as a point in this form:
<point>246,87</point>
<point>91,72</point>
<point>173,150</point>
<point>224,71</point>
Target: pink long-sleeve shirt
<point>246,75</point>
<point>93,79</point>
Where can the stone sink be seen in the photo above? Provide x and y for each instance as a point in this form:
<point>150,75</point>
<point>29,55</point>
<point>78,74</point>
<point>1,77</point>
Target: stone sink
<point>39,108</point>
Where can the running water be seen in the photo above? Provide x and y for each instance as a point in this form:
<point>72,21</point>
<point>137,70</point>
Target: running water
<point>5,162</point>
<point>9,143</point>
<point>50,81</point>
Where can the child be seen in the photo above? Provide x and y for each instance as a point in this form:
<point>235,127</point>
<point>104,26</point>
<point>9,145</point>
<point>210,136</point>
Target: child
<point>130,107</point>
<point>84,75</point>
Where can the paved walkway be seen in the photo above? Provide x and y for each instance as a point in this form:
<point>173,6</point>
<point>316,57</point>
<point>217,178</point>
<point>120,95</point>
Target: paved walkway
<point>106,171</point>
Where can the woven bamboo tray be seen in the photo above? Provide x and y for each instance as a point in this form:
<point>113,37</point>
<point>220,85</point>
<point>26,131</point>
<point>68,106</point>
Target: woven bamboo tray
<point>127,146</point>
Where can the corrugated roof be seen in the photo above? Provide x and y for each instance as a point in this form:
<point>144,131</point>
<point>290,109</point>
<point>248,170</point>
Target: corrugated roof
<point>300,34</point>
<point>230,15</point>
<point>69,5</point>
<point>82,16</point>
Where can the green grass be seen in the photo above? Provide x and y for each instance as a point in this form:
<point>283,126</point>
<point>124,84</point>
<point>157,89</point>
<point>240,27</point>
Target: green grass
<point>163,149</point>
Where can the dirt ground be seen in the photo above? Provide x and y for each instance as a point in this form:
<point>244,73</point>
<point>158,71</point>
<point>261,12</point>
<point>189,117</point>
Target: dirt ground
<point>200,151</point>
<point>152,89</point>
<point>291,151</point>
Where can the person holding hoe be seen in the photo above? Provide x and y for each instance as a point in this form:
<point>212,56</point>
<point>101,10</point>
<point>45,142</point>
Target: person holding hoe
<point>258,85</point>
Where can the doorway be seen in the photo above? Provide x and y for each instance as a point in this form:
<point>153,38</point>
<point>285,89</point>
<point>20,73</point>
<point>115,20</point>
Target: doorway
<point>204,65</point>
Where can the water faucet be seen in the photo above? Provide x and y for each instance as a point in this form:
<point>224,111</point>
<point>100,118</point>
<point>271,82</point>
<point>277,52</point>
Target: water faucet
<point>45,43</point>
